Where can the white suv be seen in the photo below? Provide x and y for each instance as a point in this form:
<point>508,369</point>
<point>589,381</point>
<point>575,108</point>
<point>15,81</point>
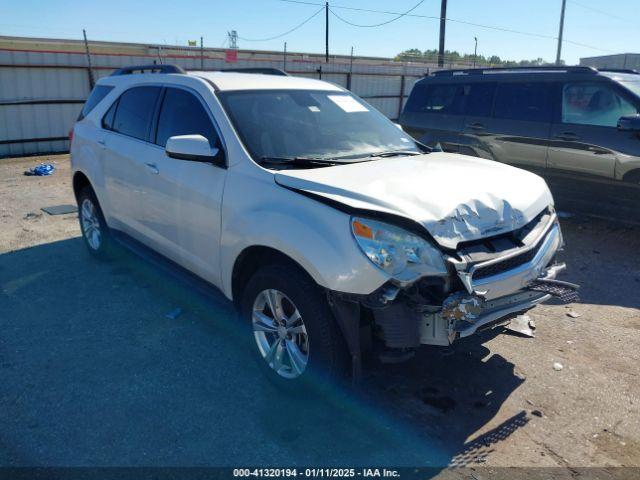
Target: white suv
<point>324,222</point>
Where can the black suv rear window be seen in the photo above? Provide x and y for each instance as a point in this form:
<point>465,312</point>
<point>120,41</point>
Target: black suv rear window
<point>95,97</point>
<point>436,98</point>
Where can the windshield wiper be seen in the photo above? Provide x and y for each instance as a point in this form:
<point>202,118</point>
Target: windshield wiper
<point>301,161</point>
<point>394,153</point>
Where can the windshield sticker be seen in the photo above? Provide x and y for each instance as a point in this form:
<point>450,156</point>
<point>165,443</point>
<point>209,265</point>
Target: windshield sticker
<point>348,103</point>
<point>313,108</point>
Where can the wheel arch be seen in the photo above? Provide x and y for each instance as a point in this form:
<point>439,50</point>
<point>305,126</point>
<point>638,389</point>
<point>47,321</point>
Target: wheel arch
<point>251,259</point>
<point>632,176</point>
<point>80,181</point>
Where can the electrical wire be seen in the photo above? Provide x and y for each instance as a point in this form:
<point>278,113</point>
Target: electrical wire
<point>602,12</point>
<point>282,34</point>
<point>377,24</point>
<point>453,20</point>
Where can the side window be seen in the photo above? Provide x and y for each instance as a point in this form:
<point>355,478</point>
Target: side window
<point>524,101</point>
<point>96,95</point>
<point>107,120</point>
<point>443,99</point>
<point>479,99</point>
<point>183,114</point>
<point>134,112</point>
<point>593,104</point>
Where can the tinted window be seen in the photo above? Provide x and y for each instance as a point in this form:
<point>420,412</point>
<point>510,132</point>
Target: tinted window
<point>311,123</point>
<point>593,104</point>
<point>107,120</point>
<point>97,94</point>
<point>524,101</point>
<point>134,112</point>
<point>479,99</point>
<point>183,114</point>
<point>430,98</point>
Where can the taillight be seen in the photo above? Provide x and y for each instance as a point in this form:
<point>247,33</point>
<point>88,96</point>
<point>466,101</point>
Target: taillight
<point>70,137</point>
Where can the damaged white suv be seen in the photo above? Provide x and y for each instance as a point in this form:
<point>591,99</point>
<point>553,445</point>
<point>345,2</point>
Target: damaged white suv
<point>329,227</point>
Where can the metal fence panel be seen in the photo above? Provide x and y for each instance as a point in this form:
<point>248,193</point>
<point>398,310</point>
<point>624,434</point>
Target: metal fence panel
<point>41,92</point>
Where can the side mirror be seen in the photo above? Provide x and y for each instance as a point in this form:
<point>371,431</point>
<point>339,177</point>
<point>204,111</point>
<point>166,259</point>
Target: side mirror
<point>629,123</point>
<point>195,148</point>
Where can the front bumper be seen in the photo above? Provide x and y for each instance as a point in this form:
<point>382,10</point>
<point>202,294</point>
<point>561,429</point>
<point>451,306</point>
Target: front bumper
<point>503,308</point>
<point>492,297</point>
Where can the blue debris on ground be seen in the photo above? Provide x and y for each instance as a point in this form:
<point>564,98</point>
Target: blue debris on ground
<point>41,170</point>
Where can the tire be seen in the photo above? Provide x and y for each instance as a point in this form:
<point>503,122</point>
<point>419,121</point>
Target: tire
<point>319,339</point>
<point>95,232</point>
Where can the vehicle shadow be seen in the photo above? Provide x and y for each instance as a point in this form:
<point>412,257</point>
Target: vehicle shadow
<point>95,373</point>
<point>602,257</point>
<point>100,368</point>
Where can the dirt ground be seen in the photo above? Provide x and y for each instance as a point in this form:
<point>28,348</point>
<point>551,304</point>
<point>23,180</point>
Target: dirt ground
<point>94,373</point>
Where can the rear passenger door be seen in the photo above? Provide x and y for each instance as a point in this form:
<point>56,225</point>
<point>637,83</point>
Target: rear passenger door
<point>182,208</point>
<point>518,132</point>
<point>434,114</point>
<point>585,138</point>
<point>476,139</point>
<point>125,150</point>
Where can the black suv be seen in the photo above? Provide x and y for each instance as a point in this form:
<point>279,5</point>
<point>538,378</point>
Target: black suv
<point>571,119</point>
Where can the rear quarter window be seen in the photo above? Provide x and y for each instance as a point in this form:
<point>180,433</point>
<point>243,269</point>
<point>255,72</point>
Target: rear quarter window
<point>95,97</point>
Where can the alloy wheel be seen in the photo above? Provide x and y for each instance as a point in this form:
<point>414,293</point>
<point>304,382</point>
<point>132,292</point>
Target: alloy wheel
<point>280,333</point>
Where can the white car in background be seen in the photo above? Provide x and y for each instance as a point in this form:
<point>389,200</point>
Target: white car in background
<point>326,224</point>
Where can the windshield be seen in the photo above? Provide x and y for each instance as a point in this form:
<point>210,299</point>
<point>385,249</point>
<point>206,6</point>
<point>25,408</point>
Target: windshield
<point>310,124</point>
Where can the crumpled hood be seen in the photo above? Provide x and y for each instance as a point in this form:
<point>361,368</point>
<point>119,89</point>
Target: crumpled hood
<point>455,197</point>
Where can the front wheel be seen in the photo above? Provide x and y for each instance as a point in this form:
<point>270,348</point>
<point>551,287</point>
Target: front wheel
<point>295,333</point>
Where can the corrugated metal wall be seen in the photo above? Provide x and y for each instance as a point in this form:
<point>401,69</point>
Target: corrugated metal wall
<point>41,92</point>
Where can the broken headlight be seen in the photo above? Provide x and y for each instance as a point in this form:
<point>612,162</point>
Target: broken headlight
<point>402,254</point>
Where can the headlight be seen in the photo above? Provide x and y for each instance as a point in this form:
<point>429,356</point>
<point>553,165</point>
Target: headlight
<point>403,255</point>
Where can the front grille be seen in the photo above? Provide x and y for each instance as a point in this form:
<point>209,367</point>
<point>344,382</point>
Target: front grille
<point>506,265</point>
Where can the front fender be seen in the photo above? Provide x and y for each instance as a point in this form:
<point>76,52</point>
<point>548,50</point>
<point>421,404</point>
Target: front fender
<point>316,236</point>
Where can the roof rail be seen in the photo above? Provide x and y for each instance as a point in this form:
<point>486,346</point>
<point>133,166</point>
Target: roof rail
<point>540,69</point>
<point>264,71</point>
<point>148,69</point>
<point>619,70</point>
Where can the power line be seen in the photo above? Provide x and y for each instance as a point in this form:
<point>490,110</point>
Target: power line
<point>377,24</point>
<point>601,12</point>
<point>453,20</point>
<point>282,34</point>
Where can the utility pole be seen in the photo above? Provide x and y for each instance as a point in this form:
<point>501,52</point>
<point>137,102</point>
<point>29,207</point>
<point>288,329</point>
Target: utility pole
<point>284,58</point>
<point>326,32</point>
<point>564,4</point>
<point>351,61</point>
<point>475,52</point>
<point>443,22</point>
<point>201,53</point>
<point>89,69</point>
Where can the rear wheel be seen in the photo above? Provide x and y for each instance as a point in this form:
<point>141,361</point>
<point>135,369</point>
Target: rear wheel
<point>95,231</point>
<point>296,337</point>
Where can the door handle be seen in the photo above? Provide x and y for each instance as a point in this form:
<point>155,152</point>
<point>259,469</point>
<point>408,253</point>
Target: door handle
<point>476,126</point>
<point>153,167</point>
<point>567,136</point>
<point>101,143</point>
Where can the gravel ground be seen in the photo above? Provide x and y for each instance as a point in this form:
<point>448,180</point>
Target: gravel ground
<point>94,373</point>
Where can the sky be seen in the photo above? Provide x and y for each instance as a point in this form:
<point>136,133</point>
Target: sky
<point>592,27</point>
